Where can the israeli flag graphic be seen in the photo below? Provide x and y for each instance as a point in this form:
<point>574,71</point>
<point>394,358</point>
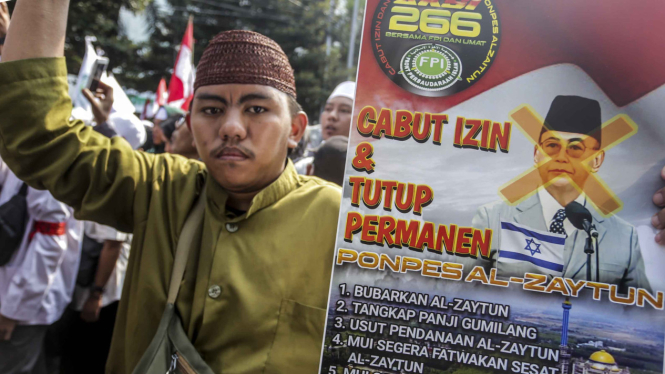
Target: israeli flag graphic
<point>544,250</point>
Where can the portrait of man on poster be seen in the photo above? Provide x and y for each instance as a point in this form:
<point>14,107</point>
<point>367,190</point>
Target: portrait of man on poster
<point>537,236</point>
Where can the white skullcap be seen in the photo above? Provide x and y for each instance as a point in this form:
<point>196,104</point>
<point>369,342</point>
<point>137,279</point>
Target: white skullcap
<point>129,127</point>
<point>345,89</point>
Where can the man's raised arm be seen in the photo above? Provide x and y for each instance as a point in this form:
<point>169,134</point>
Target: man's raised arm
<point>37,30</point>
<point>103,179</point>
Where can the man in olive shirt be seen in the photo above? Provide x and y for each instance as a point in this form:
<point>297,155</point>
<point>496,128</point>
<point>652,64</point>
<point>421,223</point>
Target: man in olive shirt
<point>255,290</point>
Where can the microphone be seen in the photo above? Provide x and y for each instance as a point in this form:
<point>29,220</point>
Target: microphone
<point>581,218</point>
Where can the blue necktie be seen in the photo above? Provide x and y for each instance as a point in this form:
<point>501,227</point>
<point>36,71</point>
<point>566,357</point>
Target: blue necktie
<point>557,222</point>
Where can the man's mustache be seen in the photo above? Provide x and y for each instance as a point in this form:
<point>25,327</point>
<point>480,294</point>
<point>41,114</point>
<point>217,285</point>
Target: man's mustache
<point>244,150</point>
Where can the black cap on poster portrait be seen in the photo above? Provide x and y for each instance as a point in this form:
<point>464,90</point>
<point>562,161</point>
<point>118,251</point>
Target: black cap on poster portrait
<point>574,114</point>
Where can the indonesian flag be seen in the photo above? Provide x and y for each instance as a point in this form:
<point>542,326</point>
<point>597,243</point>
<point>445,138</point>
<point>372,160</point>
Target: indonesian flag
<point>162,93</point>
<point>624,64</point>
<point>181,86</point>
<point>151,106</point>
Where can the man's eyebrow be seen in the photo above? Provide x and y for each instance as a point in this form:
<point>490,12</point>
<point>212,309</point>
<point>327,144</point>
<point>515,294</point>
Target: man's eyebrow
<point>206,96</point>
<point>253,96</point>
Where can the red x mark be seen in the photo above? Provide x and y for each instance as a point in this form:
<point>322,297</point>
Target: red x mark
<point>598,193</point>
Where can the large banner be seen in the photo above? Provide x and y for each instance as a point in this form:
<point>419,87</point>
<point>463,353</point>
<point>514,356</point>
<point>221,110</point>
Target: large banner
<point>497,200</point>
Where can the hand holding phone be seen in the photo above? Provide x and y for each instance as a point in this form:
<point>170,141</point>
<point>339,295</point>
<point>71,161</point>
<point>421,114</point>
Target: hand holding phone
<point>101,101</point>
<point>98,70</point>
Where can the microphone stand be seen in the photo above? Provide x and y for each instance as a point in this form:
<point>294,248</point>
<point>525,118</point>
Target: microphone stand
<point>588,249</point>
<point>595,235</point>
<point>582,219</point>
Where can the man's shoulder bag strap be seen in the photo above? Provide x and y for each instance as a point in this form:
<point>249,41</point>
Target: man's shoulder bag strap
<point>170,350</point>
<point>185,240</point>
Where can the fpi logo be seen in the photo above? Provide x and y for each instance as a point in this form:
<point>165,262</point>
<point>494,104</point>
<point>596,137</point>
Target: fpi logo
<point>431,67</point>
<point>421,45</point>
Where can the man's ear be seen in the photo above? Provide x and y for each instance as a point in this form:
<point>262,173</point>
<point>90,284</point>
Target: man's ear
<point>298,127</point>
<point>537,156</point>
<point>188,120</point>
<point>597,161</point>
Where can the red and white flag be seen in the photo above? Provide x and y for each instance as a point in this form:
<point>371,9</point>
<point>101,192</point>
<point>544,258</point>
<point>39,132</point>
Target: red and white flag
<point>162,93</point>
<point>181,86</point>
<point>152,105</point>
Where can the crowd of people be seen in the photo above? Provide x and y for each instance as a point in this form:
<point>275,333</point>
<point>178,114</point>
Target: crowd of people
<point>201,239</point>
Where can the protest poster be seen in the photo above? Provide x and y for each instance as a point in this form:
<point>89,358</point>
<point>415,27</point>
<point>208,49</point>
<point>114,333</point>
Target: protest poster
<point>497,200</point>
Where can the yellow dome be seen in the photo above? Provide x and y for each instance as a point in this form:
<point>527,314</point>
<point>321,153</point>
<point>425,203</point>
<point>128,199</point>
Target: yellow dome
<point>603,358</point>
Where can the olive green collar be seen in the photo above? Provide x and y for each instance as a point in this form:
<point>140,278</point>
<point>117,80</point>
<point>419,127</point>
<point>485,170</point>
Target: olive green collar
<point>274,192</point>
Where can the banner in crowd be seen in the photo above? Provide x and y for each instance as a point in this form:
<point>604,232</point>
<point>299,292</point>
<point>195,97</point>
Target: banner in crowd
<point>496,212</point>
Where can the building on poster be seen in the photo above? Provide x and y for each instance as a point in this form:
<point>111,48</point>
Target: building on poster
<point>599,362</point>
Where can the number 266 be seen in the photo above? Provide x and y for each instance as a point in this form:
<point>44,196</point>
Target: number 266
<point>435,21</point>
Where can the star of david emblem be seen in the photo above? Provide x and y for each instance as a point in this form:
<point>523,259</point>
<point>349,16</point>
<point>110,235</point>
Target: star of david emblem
<point>530,244</point>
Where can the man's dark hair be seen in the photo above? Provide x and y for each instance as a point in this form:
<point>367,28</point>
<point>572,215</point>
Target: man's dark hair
<point>168,125</point>
<point>330,159</point>
<point>148,141</point>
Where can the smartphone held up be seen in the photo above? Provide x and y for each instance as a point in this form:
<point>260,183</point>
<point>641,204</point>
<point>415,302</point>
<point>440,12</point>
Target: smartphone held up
<point>98,70</point>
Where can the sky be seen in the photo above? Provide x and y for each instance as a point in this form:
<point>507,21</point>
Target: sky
<point>135,24</point>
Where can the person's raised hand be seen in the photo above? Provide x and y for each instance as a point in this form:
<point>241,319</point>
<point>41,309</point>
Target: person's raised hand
<point>658,220</point>
<point>101,102</point>
<point>4,19</point>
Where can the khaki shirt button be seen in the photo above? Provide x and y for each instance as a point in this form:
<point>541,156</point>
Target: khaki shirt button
<point>214,291</point>
<point>231,227</point>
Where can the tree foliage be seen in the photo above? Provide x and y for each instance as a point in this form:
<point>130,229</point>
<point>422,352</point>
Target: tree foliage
<point>299,26</point>
<point>99,18</point>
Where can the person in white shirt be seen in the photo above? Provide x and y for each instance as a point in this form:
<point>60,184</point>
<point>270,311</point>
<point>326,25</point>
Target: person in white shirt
<point>87,327</point>
<point>335,120</point>
<point>37,283</point>
<point>129,127</point>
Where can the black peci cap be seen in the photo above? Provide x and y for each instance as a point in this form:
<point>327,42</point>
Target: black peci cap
<point>574,114</point>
